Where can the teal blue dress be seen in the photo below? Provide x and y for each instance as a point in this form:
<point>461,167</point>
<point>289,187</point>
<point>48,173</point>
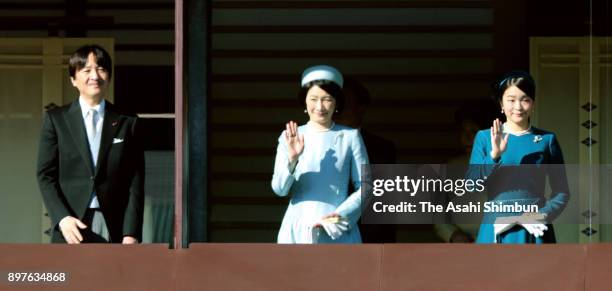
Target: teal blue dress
<point>519,176</point>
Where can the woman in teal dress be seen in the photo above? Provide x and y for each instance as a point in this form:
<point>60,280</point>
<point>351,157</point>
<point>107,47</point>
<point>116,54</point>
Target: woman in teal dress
<point>317,163</point>
<point>515,158</point>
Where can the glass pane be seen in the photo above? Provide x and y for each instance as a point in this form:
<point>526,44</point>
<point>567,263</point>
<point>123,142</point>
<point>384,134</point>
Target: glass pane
<point>20,119</point>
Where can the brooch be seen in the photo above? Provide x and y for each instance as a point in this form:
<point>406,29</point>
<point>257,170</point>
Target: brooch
<point>537,138</point>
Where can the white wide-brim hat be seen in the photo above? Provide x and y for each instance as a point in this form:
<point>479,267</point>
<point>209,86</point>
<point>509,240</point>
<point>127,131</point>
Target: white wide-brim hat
<point>322,72</point>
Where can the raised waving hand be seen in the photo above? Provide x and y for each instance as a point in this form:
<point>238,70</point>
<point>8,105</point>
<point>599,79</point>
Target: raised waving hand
<point>499,140</point>
<point>294,141</point>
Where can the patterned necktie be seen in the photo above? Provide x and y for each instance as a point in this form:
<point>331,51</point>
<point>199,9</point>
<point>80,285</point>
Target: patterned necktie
<point>92,119</point>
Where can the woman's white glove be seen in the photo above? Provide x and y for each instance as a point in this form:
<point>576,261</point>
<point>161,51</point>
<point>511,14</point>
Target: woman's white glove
<point>334,226</point>
<point>536,230</point>
<point>534,223</point>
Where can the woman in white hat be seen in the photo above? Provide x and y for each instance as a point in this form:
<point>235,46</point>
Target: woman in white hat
<point>316,162</point>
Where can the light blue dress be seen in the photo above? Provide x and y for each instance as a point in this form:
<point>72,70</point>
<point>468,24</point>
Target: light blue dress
<point>526,185</point>
<point>319,184</point>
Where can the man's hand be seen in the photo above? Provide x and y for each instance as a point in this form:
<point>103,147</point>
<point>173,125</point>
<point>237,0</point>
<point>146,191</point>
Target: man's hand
<point>69,226</point>
<point>129,240</point>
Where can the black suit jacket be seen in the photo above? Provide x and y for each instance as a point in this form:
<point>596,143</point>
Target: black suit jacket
<point>380,151</point>
<point>67,177</point>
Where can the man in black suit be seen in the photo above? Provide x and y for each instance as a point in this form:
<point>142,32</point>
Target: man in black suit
<point>90,164</point>
<point>380,150</point>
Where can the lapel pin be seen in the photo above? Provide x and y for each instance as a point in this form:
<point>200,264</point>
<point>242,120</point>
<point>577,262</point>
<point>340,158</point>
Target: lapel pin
<point>115,123</point>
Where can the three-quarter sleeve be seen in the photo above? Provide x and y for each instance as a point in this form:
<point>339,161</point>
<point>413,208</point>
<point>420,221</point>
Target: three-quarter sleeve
<point>283,178</point>
<point>558,182</point>
<point>482,165</point>
<point>351,207</point>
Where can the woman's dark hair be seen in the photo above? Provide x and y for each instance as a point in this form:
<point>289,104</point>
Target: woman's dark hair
<point>520,79</point>
<point>330,87</point>
<point>78,60</point>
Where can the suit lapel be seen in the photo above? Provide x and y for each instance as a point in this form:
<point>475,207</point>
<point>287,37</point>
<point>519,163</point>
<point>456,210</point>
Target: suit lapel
<point>109,130</point>
<point>76,125</point>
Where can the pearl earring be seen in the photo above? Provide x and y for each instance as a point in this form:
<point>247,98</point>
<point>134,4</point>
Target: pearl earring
<point>502,111</point>
<point>305,111</point>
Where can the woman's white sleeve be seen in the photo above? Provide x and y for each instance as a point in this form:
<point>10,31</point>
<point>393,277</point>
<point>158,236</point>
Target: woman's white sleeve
<point>351,207</point>
<point>283,178</point>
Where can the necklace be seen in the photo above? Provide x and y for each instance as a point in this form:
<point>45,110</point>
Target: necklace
<point>321,129</point>
<point>517,133</point>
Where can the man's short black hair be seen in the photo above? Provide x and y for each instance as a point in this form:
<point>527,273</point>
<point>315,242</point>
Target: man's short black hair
<point>78,60</point>
<point>359,92</point>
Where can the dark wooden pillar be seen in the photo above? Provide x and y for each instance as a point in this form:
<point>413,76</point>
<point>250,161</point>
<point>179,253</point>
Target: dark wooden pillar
<point>195,42</point>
